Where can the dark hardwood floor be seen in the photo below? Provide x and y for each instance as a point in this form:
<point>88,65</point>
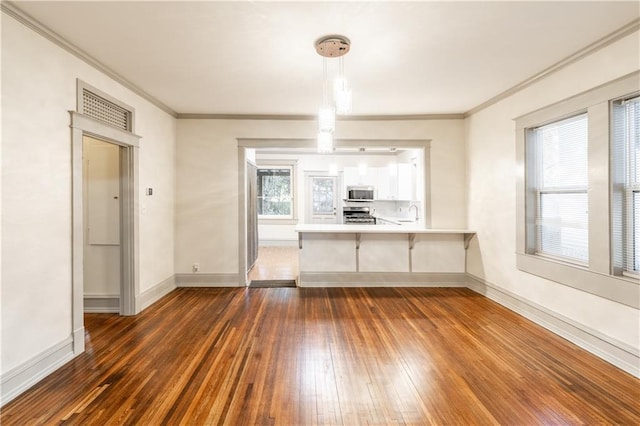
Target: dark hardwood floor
<point>306,356</point>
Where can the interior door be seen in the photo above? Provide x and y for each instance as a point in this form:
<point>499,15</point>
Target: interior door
<point>322,199</point>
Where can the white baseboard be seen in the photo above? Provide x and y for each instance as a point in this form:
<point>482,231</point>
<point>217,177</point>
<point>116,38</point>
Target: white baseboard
<point>621,355</point>
<point>280,243</point>
<point>22,377</point>
<point>102,303</point>
<point>155,293</point>
<point>207,280</point>
<point>381,279</point>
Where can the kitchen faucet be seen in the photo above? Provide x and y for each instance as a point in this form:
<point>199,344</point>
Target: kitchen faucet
<point>416,207</point>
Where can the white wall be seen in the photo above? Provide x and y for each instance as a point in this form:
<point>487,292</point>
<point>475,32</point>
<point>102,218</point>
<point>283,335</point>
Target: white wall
<point>38,90</point>
<point>207,178</point>
<point>490,136</point>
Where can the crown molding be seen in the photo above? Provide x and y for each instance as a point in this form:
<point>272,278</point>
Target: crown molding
<point>605,41</point>
<point>291,117</point>
<point>10,9</point>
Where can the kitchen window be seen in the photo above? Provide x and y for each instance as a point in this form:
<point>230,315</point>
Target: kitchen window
<point>275,192</point>
<point>625,204</point>
<point>559,170</point>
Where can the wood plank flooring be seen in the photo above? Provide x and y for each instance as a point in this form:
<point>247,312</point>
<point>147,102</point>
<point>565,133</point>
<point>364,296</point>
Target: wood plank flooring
<point>304,356</point>
<point>275,263</point>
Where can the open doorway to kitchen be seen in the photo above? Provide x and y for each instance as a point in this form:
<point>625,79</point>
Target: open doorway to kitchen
<point>398,169</point>
<point>271,204</point>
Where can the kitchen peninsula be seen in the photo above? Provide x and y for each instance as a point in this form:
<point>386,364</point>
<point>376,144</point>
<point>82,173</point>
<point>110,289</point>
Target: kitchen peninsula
<point>381,256</point>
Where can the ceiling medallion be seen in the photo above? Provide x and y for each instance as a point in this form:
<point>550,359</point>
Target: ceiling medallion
<point>333,46</point>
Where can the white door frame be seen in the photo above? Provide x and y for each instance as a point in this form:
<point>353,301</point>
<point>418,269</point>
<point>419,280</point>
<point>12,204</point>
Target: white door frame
<point>293,144</point>
<point>129,143</point>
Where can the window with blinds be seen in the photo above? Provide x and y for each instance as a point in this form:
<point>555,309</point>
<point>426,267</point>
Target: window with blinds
<point>625,197</point>
<point>559,167</point>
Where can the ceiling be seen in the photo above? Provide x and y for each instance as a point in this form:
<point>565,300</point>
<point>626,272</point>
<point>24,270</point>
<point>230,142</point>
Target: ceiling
<point>258,57</point>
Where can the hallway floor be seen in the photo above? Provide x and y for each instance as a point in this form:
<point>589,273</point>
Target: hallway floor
<point>275,263</point>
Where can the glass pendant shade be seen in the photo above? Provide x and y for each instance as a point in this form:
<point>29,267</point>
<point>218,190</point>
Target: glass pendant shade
<point>325,142</point>
<point>342,95</point>
<point>327,119</point>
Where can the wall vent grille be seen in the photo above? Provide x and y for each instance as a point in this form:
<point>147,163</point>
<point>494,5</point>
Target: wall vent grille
<point>106,111</point>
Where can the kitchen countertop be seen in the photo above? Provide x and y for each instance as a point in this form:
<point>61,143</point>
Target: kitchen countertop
<point>409,228</point>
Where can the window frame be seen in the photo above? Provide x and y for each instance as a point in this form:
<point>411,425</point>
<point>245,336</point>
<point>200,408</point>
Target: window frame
<point>282,164</point>
<point>630,248</point>
<point>539,190</point>
<point>597,277</point>
<point>626,189</point>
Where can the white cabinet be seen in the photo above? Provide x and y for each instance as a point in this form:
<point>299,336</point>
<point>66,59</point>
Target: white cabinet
<point>352,176</point>
<point>387,184</point>
<point>406,181</point>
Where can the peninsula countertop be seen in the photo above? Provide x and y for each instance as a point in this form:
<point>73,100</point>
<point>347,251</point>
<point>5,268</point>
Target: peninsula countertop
<point>410,228</point>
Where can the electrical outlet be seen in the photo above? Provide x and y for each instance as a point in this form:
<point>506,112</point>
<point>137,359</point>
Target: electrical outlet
<point>196,267</point>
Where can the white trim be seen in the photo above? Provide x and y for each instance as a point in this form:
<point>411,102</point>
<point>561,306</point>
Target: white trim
<point>9,8</point>
<point>101,303</point>
<point>582,53</point>
<point>381,279</point>
<point>207,280</point>
<point>101,130</point>
<point>129,233</point>
<point>292,166</point>
<point>82,87</point>
<point>155,293</point>
<point>611,287</point>
<point>594,279</point>
<point>304,117</point>
<point>19,379</point>
<point>619,354</point>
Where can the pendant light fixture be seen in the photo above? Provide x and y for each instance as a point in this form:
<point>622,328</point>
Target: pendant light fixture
<point>333,46</point>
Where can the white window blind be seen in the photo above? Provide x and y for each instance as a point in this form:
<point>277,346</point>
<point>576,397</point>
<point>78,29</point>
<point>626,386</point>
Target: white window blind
<point>626,185</point>
<point>560,182</point>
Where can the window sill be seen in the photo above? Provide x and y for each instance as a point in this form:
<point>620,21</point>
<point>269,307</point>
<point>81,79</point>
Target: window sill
<point>563,261</point>
<point>629,276</point>
<point>619,289</point>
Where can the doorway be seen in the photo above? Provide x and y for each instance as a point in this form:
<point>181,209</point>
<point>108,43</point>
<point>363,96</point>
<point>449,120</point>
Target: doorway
<point>248,146</point>
<point>270,197</point>
<point>102,273</point>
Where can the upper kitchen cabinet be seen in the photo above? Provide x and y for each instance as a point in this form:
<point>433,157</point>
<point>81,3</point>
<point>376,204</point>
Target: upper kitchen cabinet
<point>396,182</point>
<point>360,176</point>
<point>387,185</point>
<point>406,189</point>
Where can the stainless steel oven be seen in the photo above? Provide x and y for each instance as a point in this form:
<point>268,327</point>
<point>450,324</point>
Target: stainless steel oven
<point>358,215</point>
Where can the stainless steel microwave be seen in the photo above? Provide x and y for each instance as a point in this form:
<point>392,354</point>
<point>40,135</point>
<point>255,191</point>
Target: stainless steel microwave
<point>360,193</point>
